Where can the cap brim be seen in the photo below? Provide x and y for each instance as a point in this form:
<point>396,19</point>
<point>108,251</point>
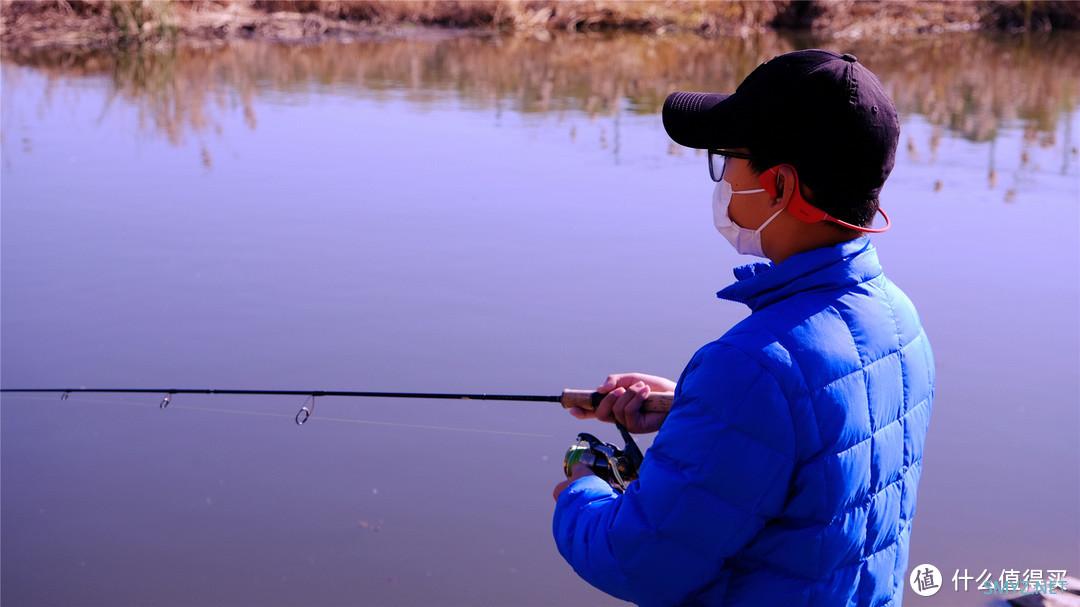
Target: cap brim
<point>705,120</point>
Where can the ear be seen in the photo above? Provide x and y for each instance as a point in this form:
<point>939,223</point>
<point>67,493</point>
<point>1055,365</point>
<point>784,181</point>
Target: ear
<point>786,182</point>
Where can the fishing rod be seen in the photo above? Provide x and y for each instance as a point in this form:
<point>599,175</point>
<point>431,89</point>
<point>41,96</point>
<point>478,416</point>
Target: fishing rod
<point>616,466</point>
<point>582,399</point>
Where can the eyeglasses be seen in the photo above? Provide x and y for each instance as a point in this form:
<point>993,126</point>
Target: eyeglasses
<point>718,161</point>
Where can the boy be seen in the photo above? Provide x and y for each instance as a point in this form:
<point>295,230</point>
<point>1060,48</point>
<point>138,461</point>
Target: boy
<point>786,471</point>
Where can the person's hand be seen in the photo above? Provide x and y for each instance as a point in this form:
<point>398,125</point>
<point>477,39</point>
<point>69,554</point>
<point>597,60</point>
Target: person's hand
<point>625,393</point>
<point>579,470</point>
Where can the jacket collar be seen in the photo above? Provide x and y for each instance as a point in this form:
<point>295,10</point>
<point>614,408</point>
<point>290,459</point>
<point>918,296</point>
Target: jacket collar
<point>848,263</point>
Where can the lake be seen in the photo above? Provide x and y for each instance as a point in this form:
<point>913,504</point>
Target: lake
<point>470,214</point>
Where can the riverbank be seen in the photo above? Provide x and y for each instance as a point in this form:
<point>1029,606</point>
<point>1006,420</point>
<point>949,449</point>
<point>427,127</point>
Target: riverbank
<point>109,23</point>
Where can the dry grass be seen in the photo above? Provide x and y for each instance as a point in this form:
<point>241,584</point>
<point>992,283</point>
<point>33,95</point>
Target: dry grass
<point>101,23</point>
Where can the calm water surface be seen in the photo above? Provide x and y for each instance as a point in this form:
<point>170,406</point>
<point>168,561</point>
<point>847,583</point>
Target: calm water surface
<point>469,214</point>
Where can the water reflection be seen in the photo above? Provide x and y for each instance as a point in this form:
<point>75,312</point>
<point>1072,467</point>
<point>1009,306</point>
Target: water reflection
<point>967,84</point>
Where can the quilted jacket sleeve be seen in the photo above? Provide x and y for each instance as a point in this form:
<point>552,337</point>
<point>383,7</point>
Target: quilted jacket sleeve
<point>717,472</point>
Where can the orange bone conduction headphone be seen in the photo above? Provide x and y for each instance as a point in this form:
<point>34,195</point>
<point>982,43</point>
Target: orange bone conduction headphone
<point>803,210</point>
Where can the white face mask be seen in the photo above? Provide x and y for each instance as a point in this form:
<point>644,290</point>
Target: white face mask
<point>745,240</point>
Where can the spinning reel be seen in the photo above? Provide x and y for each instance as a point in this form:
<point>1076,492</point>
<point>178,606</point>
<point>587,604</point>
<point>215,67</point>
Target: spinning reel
<point>618,467</point>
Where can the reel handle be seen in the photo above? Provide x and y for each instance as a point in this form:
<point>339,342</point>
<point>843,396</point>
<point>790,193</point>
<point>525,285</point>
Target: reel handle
<point>589,399</point>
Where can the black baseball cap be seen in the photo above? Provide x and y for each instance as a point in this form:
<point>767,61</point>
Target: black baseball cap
<point>821,111</point>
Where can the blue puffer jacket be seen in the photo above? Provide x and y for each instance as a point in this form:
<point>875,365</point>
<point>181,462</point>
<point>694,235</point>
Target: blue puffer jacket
<point>786,471</point>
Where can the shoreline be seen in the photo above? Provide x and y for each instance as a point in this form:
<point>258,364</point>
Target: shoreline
<point>27,25</point>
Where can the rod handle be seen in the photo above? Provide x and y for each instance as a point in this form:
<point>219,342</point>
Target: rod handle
<point>589,399</point>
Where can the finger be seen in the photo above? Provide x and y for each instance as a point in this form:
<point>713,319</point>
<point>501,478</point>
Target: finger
<point>618,380</point>
<point>603,410</point>
<point>635,411</point>
<point>609,383</point>
<point>618,410</point>
<point>580,413</point>
<point>637,418</point>
<point>629,403</point>
<point>559,489</point>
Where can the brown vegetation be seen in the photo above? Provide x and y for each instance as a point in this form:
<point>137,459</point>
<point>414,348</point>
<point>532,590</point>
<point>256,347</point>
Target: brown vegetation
<point>103,23</point>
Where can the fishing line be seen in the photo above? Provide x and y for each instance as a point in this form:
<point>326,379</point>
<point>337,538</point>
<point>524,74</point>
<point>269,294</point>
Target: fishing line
<point>331,419</point>
<point>619,467</point>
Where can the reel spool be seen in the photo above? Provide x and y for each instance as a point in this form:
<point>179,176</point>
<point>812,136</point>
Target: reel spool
<point>618,467</point>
